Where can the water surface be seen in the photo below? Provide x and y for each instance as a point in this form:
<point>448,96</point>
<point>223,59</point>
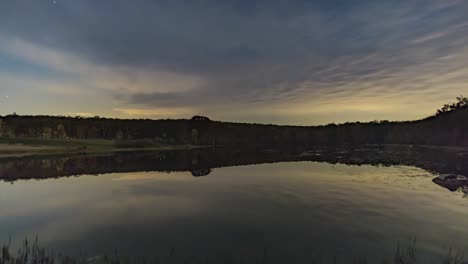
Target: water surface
<point>296,210</point>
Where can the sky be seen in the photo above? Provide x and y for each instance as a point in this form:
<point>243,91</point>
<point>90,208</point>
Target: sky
<point>300,62</point>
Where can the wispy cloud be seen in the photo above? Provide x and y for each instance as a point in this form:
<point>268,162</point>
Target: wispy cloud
<point>299,62</point>
<point>155,112</point>
<point>82,114</point>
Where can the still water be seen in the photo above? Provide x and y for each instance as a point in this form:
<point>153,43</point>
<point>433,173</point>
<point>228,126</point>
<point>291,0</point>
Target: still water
<point>294,211</point>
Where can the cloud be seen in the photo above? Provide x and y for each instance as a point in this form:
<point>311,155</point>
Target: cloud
<point>155,112</point>
<point>287,61</point>
<point>82,114</point>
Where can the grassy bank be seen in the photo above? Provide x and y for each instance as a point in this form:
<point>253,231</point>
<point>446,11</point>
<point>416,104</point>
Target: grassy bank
<point>34,146</point>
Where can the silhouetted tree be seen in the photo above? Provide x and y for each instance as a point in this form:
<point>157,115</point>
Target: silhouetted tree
<point>447,127</point>
<point>460,103</point>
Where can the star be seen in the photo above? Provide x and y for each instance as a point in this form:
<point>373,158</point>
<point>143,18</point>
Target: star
<point>54,2</point>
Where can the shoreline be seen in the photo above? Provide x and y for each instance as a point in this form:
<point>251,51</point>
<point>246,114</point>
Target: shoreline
<point>27,147</point>
<point>23,149</point>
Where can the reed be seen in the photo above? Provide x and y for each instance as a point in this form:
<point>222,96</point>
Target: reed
<point>30,252</point>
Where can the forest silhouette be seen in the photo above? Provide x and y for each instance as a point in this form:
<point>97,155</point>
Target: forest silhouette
<point>448,127</point>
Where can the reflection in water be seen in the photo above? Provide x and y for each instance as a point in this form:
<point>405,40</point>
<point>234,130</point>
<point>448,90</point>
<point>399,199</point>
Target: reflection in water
<point>297,210</point>
<point>201,162</point>
<point>453,182</point>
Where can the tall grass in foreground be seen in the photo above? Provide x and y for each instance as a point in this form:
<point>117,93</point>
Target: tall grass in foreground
<point>32,253</point>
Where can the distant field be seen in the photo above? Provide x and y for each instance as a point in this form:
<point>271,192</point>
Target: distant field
<point>58,142</point>
<point>37,146</point>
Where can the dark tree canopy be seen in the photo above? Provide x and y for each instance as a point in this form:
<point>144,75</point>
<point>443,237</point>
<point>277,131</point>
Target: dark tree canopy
<point>460,103</point>
<point>448,127</point>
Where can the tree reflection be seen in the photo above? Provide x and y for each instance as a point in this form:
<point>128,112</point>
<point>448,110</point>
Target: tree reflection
<point>201,162</point>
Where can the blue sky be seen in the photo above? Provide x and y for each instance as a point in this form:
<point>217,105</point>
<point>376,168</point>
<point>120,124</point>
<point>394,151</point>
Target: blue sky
<point>288,62</point>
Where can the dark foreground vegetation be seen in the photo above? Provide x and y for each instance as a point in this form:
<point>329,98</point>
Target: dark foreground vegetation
<point>448,127</point>
<point>33,253</point>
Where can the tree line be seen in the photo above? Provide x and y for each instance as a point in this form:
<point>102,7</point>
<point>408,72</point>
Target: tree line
<point>448,126</point>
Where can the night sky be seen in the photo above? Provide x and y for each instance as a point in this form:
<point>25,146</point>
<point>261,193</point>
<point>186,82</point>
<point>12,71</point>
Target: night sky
<point>288,62</point>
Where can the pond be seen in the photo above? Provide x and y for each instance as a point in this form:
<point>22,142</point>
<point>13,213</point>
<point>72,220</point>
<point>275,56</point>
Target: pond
<point>294,206</point>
